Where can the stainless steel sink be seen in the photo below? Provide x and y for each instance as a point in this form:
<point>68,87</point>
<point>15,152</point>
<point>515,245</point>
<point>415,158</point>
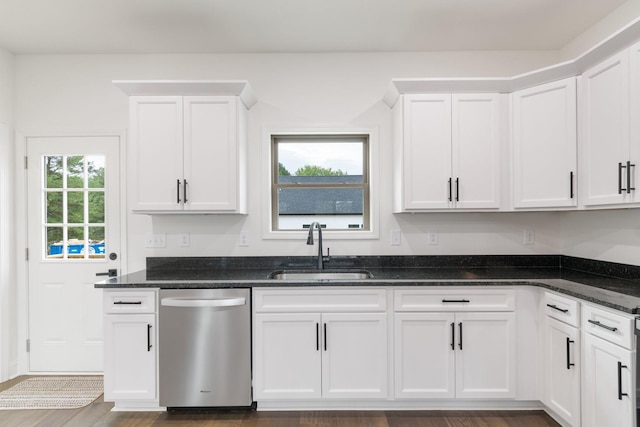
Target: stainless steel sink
<point>320,275</point>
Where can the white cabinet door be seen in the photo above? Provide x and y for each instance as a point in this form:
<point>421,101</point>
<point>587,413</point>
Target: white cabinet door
<point>426,152</point>
<point>130,357</point>
<point>424,355</point>
<point>609,394</point>
<point>545,146</point>
<point>604,118</point>
<point>450,152</point>
<point>155,165</point>
<point>287,349</point>
<point>476,151</point>
<point>485,355</point>
<point>211,153</point>
<point>354,359</point>
<point>562,370</point>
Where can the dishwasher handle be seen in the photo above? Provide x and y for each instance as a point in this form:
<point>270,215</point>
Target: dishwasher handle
<point>214,302</point>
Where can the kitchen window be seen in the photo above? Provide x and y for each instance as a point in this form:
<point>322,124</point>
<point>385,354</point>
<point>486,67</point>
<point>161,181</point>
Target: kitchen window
<point>320,178</point>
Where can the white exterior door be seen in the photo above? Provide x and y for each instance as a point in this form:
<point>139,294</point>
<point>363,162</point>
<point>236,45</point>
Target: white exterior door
<point>73,234</point>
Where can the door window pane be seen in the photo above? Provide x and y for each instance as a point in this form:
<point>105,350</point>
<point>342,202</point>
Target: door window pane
<point>74,207</point>
<point>53,171</point>
<point>75,172</point>
<point>54,207</point>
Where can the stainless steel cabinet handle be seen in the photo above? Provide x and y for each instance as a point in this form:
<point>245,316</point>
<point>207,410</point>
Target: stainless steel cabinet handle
<point>127,303</point>
<point>149,337</point>
<point>457,189</point>
<point>325,336</point>
<point>455,300</point>
<point>185,191</point>
<point>555,307</point>
<point>609,328</point>
<point>571,195</point>
<point>216,302</point>
<point>629,187</point>
<point>620,393</point>
<point>178,191</point>
<point>620,189</point>
<point>450,191</point>
<point>460,342</point>
<point>569,364</point>
<point>317,336</point>
<point>453,336</point>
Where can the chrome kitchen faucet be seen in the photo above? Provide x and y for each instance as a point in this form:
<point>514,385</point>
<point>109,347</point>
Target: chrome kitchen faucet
<point>310,242</point>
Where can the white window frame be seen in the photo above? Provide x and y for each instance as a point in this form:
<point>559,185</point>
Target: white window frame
<point>267,156</point>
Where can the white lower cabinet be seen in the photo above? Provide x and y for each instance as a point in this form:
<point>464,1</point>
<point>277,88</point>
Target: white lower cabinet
<point>461,355</point>
<point>443,349</point>
<point>130,347</point>
<point>319,355</point>
<point>562,370</point>
<point>609,395</point>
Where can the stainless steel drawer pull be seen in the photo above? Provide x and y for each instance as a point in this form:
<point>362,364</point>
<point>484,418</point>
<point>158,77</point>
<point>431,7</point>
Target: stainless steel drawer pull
<point>620,393</point>
<point>127,303</point>
<point>555,307</point>
<point>609,328</point>
<point>455,300</point>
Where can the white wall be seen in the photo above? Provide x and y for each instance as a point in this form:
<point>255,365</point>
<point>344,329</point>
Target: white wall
<point>75,94</point>
<point>8,353</point>
<point>616,20</point>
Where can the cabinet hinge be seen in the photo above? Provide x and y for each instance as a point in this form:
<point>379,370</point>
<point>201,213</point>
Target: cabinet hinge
<point>28,345</point>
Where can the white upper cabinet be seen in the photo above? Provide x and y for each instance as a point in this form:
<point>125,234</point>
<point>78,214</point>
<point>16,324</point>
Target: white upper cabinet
<point>187,154</point>
<point>448,152</point>
<point>609,156</point>
<point>545,146</point>
<point>187,148</point>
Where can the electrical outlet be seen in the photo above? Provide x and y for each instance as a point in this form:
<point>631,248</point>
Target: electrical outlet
<point>244,239</point>
<point>396,237</point>
<point>529,236</point>
<point>432,238</point>
<point>155,240</point>
<point>184,240</point>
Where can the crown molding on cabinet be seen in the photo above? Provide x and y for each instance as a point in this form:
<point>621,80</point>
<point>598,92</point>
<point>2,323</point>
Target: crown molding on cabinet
<point>240,88</point>
<point>617,41</point>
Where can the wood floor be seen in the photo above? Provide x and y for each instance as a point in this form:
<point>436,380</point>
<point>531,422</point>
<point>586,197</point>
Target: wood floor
<point>98,414</point>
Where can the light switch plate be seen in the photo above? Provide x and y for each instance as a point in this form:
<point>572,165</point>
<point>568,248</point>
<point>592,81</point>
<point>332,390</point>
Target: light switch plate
<point>396,237</point>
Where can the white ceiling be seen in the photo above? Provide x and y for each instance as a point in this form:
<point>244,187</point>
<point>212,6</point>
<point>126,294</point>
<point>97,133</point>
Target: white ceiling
<point>223,26</point>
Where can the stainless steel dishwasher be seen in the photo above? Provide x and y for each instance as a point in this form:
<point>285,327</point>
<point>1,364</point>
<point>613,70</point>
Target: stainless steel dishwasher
<point>205,348</point>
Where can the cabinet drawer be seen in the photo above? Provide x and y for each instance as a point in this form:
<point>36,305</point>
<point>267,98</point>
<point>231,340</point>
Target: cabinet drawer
<point>559,307</point>
<point>484,299</point>
<point>614,327</point>
<point>319,300</point>
<point>129,301</point>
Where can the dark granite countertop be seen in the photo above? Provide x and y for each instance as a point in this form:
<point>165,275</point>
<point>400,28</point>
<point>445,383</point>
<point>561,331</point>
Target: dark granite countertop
<point>613,285</point>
